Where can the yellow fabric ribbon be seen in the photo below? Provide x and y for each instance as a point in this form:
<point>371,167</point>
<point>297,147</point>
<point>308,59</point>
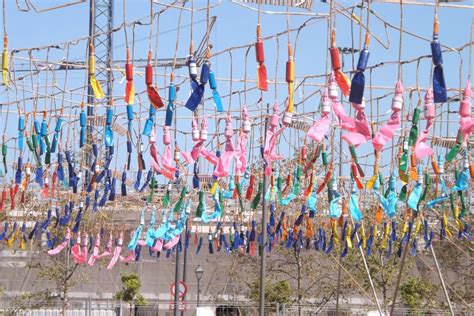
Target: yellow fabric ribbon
<point>348,236</point>
<point>95,85</point>
<point>214,188</point>
<point>445,223</point>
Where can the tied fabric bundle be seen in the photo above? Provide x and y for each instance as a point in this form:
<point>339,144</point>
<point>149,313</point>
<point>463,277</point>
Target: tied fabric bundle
<point>341,79</point>
<point>129,88</point>
<point>215,95</point>
<point>80,250</point>
<point>152,92</point>
<point>261,69</point>
<point>197,87</point>
<point>171,99</point>
<point>358,81</point>
<point>319,128</point>
<point>466,121</point>
<point>290,80</point>
<point>358,128</point>
<point>387,131</point>
<point>421,148</point>
<point>116,253</point>
<point>5,62</point>
<point>388,203</point>
<point>199,137</point>
<point>439,85</point>
<point>354,210</point>
<point>269,150</point>
<point>166,168</point>
<point>95,85</point>
<point>241,151</point>
<point>222,168</point>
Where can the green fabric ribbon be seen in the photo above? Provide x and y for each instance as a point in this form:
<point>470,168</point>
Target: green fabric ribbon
<point>178,205</point>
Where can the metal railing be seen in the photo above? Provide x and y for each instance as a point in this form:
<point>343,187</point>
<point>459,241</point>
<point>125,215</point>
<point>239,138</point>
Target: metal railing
<point>92,307</point>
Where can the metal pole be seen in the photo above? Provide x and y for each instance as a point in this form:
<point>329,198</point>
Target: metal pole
<point>264,228</point>
<point>442,280</point>
<point>185,258</point>
<point>402,264</point>
<point>370,277</point>
<point>199,292</point>
<point>339,271</point>
<point>176,282</point>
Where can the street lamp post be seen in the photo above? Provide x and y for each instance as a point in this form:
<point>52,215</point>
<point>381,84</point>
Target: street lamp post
<point>198,272</point>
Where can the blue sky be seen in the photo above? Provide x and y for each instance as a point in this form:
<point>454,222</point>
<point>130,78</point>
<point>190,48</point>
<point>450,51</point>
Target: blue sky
<point>236,26</point>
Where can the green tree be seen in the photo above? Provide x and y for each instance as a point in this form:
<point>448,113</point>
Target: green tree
<point>130,291</point>
<point>418,295</point>
<point>275,292</point>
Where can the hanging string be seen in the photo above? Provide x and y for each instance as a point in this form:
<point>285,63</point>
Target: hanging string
<point>125,23</point>
<point>4,19</point>
<point>469,74</point>
<point>177,39</point>
<point>400,42</point>
<point>245,75</point>
<point>191,29</point>
<point>151,25</point>
<point>230,82</point>
<point>276,67</point>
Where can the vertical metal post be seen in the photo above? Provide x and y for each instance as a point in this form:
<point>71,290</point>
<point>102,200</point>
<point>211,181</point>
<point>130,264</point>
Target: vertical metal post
<point>176,281</point>
<point>198,292</point>
<point>185,257</point>
<point>339,271</point>
<point>264,228</point>
<point>442,280</point>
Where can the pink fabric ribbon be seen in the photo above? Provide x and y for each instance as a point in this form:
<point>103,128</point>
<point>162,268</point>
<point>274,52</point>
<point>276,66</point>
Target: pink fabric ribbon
<point>108,248</point>
<point>466,121</point>
<point>222,168</point>
<point>165,168</point>
<point>79,253</point>
<point>129,258</point>
<point>241,152</point>
<point>387,131</point>
<point>358,128</point>
<point>116,254</point>
<point>421,148</point>
<point>361,132</point>
<point>170,244</point>
<point>320,127</point>
<point>158,245</point>
<point>269,151</point>
<point>95,251</point>
<point>62,245</point>
<point>199,149</point>
<point>167,161</point>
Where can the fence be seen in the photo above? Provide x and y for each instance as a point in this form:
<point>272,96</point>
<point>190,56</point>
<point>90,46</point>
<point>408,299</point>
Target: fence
<point>89,307</point>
